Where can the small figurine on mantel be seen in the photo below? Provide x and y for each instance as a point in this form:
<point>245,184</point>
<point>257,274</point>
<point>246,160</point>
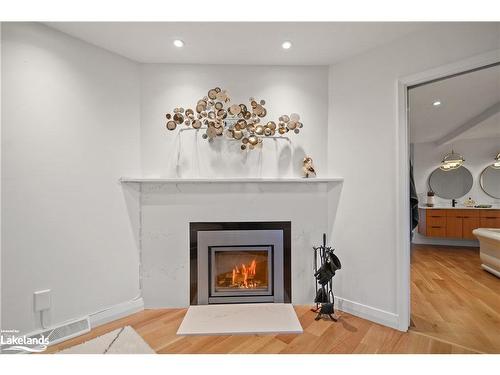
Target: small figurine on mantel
<point>308,167</point>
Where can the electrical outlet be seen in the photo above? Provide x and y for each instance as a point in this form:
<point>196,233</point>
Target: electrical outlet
<point>42,300</point>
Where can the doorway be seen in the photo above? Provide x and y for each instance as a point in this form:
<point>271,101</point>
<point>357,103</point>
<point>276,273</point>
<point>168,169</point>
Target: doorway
<point>452,119</point>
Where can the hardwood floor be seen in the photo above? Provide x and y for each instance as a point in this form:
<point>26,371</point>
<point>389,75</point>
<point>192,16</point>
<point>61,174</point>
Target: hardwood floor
<point>455,309</point>
<point>349,335</point>
<point>453,299</point>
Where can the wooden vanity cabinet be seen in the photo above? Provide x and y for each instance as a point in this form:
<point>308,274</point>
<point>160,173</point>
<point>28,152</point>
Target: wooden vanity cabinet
<point>456,223</point>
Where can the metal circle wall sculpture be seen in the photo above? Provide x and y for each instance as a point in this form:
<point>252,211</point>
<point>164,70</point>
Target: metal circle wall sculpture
<point>218,118</point>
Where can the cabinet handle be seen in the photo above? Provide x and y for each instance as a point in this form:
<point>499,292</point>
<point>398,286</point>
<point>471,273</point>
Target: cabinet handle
<point>490,217</point>
<point>435,216</point>
<point>435,227</point>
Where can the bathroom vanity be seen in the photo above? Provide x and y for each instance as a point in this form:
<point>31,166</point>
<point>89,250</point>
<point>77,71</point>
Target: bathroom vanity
<point>456,223</point>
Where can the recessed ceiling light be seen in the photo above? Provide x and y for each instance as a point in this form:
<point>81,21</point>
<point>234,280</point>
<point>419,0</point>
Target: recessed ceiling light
<point>286,45</point>
<point>178,43</point>
<point>437,103</point>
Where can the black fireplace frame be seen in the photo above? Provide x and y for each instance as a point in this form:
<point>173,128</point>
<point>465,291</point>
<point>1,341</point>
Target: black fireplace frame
<point>285,226</point>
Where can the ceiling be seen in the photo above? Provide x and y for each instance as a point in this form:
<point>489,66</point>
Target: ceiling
<point>252,43</point>
<point>489,128</point>
<point>466,99</point>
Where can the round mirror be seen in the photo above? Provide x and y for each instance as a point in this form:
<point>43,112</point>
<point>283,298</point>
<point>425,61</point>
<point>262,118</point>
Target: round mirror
<point>451,184</point>
<point>490,181</point>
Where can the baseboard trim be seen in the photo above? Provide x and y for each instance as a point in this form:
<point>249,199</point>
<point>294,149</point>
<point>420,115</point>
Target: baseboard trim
<point>116,312</point>
<point>101,317</point>
<point>373,314</point>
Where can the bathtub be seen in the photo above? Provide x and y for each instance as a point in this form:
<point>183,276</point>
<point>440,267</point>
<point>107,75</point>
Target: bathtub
<point>489,251</point>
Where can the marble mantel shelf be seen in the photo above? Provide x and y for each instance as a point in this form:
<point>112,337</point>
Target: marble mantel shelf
<point>231,180</point>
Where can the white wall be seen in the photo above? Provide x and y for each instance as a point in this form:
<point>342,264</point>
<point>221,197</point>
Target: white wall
<point>286,89</point>
<point>362,147</point>
<point>70,129</point>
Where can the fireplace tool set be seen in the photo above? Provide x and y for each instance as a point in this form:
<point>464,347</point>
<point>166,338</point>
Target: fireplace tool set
<point>325,265</point>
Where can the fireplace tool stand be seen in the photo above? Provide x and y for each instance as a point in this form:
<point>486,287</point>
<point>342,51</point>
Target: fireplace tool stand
<point>325,265</point>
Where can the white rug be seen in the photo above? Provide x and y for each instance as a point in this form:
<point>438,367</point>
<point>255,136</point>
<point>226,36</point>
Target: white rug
<point>121,341</point>
<point>240,319</point>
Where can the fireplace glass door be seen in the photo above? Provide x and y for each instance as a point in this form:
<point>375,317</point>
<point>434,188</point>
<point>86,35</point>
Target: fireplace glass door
<point>241,271</point>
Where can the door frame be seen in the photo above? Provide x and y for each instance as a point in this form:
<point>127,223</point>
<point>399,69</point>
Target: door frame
<point>403,242</point>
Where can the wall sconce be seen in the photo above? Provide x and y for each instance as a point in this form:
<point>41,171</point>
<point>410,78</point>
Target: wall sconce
<point>496,164</point>
<point>451,161</point>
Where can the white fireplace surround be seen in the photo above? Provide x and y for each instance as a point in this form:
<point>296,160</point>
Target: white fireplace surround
<point>167,207</point>
<point>238,238</point>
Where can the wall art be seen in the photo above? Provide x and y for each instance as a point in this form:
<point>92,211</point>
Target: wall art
<point>219,118</point>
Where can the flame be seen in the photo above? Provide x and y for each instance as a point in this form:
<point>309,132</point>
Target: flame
<point>245,273</point>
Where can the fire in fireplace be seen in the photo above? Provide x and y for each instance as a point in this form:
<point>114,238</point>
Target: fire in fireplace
<point>243,270</point>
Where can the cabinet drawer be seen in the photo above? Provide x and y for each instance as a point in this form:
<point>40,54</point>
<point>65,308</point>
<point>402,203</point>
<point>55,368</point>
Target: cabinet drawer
<point>489,214</point>
<point>439,221</point>
<point>436,231</point>
<point>462,213</point>
<point>490,222</point>
<point>435,213</point>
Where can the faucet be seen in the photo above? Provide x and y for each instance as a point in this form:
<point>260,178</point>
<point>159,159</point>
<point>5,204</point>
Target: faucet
<point>453,202</point>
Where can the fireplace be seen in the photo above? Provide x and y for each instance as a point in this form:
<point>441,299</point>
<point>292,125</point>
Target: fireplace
<point>240,262</point>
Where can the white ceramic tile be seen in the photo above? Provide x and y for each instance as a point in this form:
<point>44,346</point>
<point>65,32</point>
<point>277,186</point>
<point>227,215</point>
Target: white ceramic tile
<point>240,319</point>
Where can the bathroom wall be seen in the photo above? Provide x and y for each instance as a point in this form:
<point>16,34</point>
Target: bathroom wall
<point>478,154</point>
<point>363,148</point>
<point>286,89</point>
<point>70,129</point>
